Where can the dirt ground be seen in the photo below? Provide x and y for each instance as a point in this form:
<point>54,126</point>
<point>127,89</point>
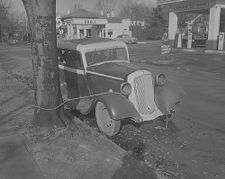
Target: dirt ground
<point>74,151</point>
<point>193,146</point>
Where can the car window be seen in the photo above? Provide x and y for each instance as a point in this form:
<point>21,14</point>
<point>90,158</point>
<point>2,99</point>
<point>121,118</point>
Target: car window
<point>105,55</point>
<point>61,57</point>
<point>121,54</point>
<point>70,58</point>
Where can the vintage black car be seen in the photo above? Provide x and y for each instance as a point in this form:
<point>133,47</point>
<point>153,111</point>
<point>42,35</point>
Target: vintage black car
<point>97,75</point>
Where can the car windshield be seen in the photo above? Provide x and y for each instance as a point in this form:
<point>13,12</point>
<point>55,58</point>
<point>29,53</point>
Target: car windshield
<point>106,55</point>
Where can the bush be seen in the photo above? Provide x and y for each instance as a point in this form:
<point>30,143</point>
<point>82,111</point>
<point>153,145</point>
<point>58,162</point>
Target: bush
<point>154,33</point>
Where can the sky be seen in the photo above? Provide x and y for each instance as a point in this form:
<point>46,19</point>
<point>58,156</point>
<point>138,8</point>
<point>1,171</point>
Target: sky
<point>63,6</point>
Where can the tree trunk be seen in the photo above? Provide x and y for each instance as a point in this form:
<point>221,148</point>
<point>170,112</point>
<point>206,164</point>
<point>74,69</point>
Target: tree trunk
<point>42,21</point>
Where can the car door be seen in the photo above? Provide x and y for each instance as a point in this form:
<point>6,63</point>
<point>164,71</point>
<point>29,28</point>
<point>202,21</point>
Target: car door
<point>72,75</point>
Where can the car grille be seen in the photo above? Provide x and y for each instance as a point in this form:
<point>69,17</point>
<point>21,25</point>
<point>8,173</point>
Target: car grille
<point>144,93</point>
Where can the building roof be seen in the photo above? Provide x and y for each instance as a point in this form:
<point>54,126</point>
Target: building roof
<point>81,13</point>
<point>88,42</point>
<point>75,42</point>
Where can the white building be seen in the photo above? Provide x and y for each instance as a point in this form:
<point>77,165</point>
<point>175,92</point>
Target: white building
<point>82,23</point>
<point>117,26</point>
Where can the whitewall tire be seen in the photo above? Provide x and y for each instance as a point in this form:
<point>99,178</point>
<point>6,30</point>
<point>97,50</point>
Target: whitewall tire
<point>106,124</point>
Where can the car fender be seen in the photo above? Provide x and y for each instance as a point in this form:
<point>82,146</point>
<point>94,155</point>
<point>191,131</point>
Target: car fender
<point>119,107</point>
<point>168,96</point>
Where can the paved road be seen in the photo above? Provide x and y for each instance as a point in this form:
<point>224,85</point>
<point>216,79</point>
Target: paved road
<point>194,144</point>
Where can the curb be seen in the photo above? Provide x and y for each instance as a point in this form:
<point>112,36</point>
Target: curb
<point>116,148</point>
<point>220,52</point>
<point>201,51</point>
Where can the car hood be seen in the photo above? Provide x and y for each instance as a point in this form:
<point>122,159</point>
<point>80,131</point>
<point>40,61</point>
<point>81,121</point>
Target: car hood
<point>115,69</point>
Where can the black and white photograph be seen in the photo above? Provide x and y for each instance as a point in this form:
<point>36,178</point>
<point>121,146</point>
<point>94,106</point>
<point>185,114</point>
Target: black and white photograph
<point>112,89</point>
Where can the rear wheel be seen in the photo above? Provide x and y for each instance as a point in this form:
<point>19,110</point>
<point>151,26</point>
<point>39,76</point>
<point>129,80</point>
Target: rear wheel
<point>105,123</point>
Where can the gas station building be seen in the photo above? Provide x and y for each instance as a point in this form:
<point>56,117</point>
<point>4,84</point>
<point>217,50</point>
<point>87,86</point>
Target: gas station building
<point>205,22</point>
<point>83,23</point>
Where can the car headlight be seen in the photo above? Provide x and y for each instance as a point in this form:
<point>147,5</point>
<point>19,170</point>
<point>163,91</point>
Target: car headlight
<point>161,80</point>
<point>125,89</point>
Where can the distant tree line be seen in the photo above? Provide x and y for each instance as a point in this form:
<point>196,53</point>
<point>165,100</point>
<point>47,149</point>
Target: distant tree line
<point>12,24</point>
<point>155,18</point>
<point>5,23</point>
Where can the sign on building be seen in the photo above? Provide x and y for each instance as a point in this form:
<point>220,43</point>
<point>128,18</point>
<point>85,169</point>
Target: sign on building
<point>86,21</point>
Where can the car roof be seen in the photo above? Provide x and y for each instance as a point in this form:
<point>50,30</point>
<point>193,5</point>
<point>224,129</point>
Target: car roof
<point>88,42</point>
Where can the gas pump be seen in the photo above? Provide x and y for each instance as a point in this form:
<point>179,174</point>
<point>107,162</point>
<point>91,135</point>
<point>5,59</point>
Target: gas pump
<point>221,40</point>
<point>189,39</point>
<point>189,26</point>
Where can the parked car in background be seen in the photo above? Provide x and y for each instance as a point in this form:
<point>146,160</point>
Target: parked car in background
<point>97,75</point>
<point>127,39</point>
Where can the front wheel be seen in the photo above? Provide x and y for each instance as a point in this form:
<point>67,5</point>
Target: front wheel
<point>105,123</point>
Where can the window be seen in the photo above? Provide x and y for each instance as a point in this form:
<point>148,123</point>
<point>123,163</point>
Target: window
<point>70,58</point>
<point>88,32</point>
<point>110,32</point>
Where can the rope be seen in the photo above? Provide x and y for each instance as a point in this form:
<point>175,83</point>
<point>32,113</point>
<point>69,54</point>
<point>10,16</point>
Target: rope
<point>69,100</point>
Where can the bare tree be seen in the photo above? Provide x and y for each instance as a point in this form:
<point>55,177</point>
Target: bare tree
<point>126,10</point>
<point>135,10</point>
<point>4,8</point>
<point>107,6</point>
<point>5,22</point>
<point>42,20</point>
<point>77,5</point>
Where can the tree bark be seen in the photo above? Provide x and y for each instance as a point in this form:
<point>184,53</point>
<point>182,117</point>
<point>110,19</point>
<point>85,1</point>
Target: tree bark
<point>42,21</point>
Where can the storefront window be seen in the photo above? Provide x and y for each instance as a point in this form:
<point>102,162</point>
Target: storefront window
<point>88,32</point>
<point>81,33</point>
<point>110,32</point>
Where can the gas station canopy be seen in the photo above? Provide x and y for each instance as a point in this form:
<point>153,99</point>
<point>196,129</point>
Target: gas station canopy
<point>214,9</point>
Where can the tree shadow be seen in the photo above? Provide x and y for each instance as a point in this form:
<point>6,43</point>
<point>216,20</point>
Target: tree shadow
<point>134,169</point>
